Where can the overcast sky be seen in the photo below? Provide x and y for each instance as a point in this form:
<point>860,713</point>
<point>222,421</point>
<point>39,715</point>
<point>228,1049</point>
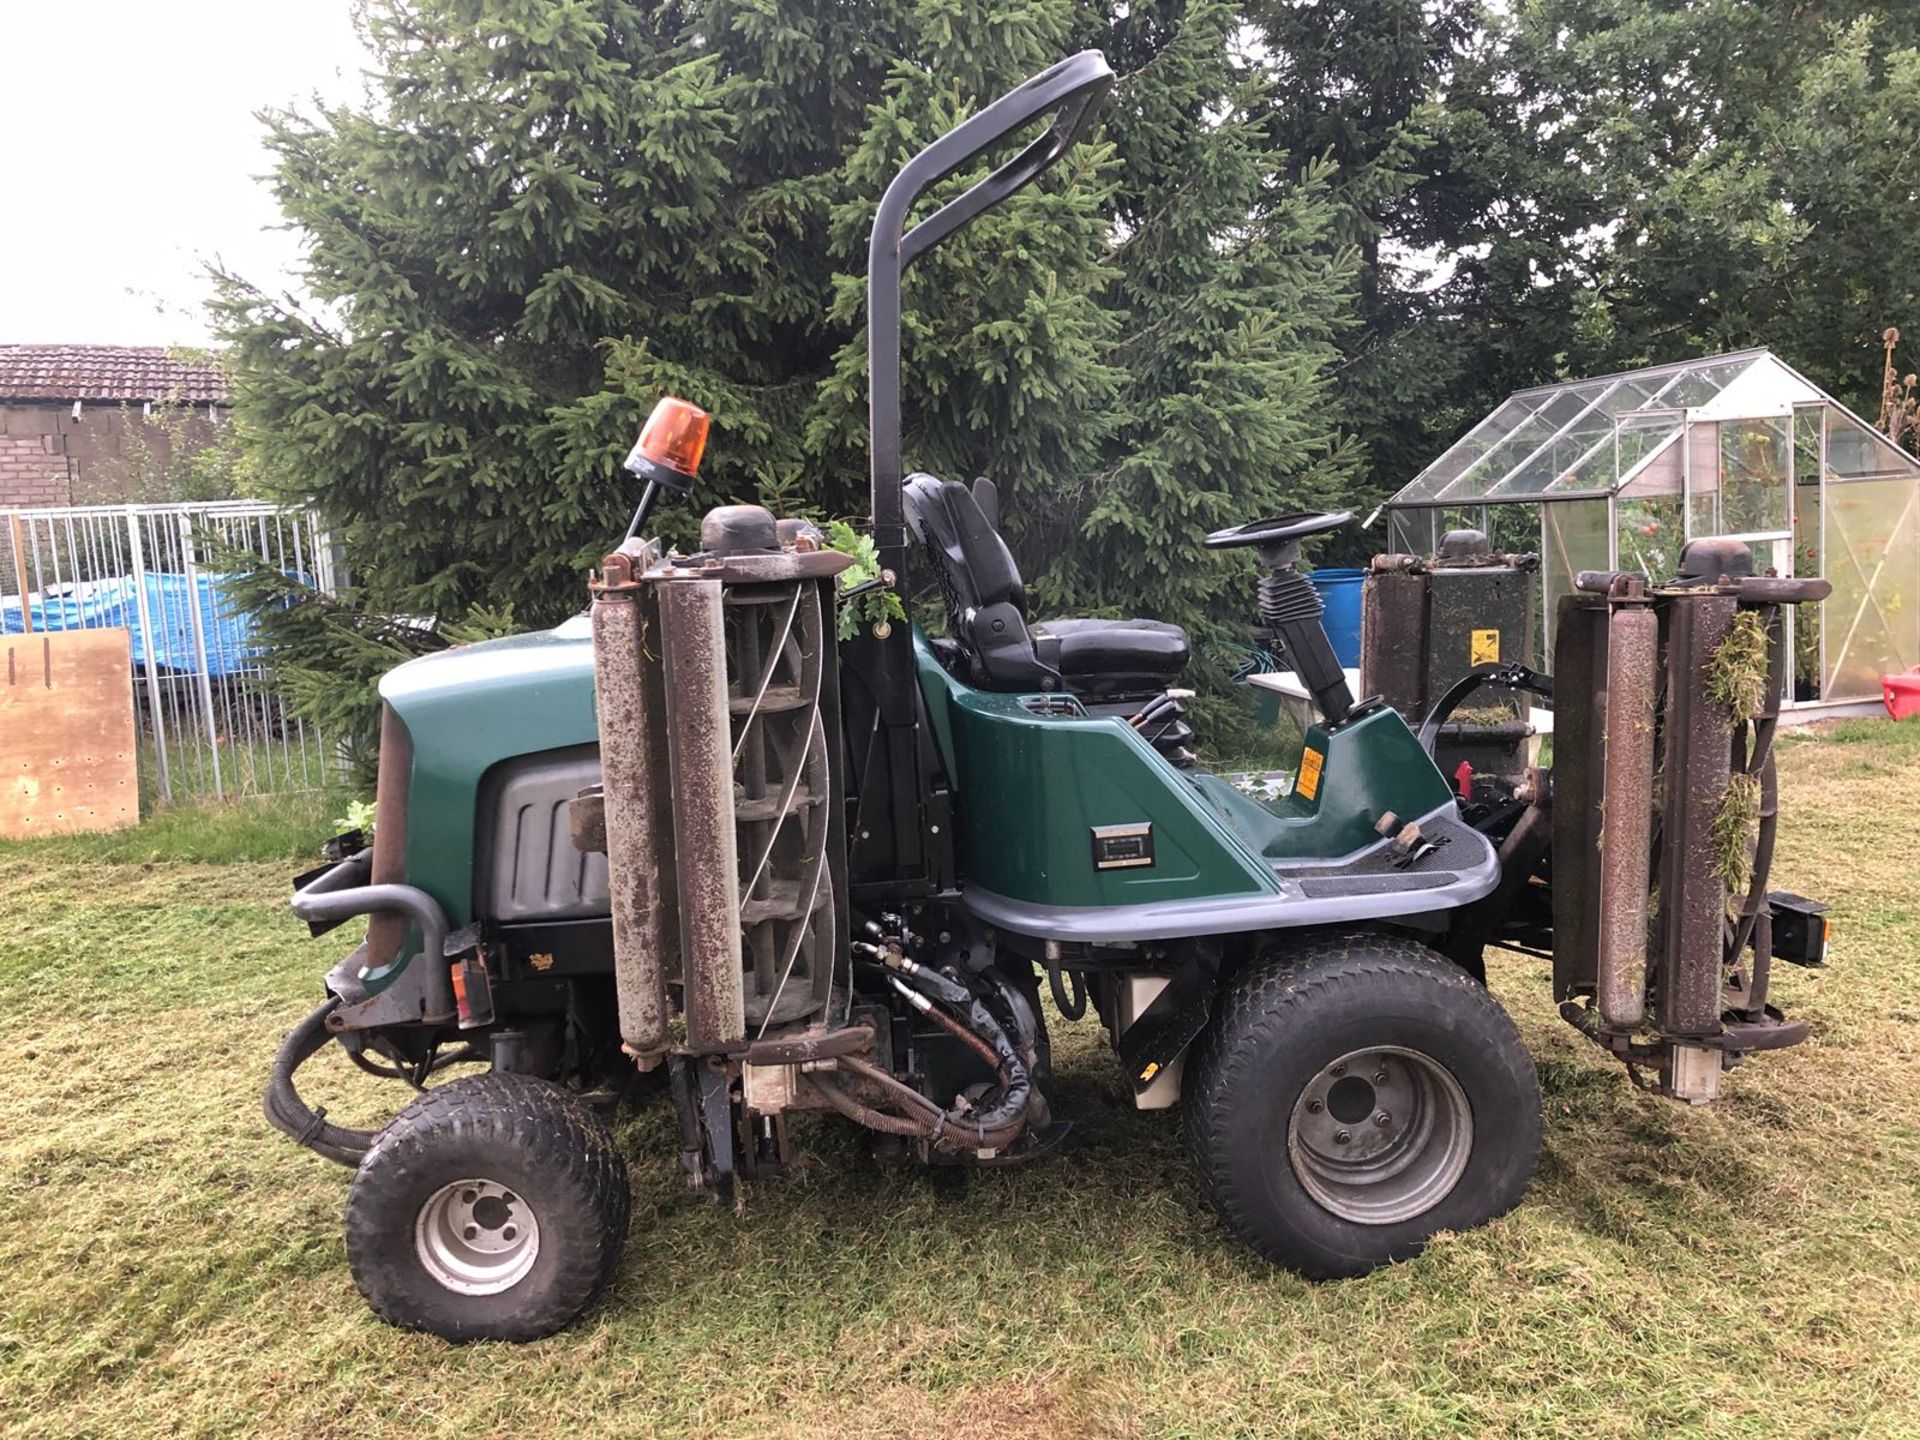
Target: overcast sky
<point>132,153</point>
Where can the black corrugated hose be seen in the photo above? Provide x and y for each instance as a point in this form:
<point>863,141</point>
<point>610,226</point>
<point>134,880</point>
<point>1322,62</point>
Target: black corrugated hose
<point>1017,1086</point>
<point>290,1115</point>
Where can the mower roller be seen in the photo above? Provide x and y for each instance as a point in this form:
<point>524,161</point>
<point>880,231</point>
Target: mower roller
<point>689,841</point>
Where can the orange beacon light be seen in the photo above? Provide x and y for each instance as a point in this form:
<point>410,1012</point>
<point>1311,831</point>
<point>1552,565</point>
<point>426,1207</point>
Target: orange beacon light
<point>667,454</point>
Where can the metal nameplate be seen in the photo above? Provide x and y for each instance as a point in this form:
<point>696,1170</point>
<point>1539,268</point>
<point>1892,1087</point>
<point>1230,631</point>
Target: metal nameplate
<point>1123,847</point>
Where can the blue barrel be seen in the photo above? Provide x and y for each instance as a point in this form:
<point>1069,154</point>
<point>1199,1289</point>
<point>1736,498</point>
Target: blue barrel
<point>1340,591</point>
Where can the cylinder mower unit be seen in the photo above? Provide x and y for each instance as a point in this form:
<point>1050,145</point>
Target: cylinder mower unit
<point>1664,814</point>
<point>1427,622</point>
<point>719,747</point>
<point>695,835</point>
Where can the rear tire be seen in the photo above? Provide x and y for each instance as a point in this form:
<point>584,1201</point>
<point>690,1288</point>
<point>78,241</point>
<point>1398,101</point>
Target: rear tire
<point>1355,1095</point>
<point>491,1208</point>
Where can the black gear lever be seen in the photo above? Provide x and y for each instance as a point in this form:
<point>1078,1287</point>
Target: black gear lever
<point>1290,608</point>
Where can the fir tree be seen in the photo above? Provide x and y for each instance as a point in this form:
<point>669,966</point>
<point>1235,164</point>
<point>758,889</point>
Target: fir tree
<point>555,210</point>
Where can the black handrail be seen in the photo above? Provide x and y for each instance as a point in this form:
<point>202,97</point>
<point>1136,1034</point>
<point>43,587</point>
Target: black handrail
<point>1071,91</point>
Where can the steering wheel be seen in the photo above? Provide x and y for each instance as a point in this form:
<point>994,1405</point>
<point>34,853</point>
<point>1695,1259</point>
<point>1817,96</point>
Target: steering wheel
<point>1277,529</point>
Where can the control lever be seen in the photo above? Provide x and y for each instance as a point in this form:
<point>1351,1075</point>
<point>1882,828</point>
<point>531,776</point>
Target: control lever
<point>1154,708</point>
<point>1411,846</point>
<point>1163,711</point>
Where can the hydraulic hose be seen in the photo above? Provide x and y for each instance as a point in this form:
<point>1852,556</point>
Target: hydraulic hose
<point>965,1036</point>
<point>1026,1024</point>
<point>291,1115</point>
<point>831,1091</point>
<point>1017,1085</point>
<point>1071,1003</point>
<point>934,995</point>
<point>947,1129</point>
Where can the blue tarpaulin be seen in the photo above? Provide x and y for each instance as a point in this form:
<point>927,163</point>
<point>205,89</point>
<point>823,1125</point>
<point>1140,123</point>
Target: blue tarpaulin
<point>227,629</point>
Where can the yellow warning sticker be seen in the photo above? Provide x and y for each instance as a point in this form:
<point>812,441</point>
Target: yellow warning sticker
<point>1308,785</point>
<point>1484,649</point>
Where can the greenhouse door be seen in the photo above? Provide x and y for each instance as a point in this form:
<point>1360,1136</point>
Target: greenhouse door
<point>1870,513</point>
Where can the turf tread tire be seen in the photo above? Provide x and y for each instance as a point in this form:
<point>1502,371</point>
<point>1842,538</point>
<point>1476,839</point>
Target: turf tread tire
<point>1268,1014</point>
<point>541,1140</point>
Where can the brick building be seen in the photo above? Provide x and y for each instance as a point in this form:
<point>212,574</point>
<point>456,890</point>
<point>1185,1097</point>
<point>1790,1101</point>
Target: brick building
<point>98,424</point>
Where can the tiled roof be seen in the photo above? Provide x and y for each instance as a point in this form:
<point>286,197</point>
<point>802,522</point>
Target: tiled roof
<point>113,373</point>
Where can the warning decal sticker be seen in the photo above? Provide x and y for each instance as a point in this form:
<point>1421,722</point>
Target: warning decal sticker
<point>1308,785</point>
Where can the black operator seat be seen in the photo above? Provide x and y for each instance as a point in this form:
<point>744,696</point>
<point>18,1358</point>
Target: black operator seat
<point>1000,649</point>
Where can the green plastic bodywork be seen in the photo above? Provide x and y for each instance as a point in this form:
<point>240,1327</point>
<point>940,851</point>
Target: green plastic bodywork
<point>1372,765</point>
<point>468,709</point>
<point>1034,774</point>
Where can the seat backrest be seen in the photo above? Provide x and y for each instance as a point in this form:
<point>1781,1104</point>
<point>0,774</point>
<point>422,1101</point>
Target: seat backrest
<point>986,602</point>
<point>967,549</point>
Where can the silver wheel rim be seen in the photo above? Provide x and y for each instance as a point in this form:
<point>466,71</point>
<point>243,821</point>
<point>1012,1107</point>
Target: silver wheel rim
<point>1380,1135</point>
<point>476,1237</point>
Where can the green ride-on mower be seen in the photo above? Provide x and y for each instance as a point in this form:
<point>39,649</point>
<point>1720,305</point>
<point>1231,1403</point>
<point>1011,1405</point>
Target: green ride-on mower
<point>692,837</point>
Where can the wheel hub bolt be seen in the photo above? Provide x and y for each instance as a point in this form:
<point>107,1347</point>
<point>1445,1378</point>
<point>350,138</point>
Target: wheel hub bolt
<point>1339,1069</point>
<point>1380,1077</point>
<point>1383,1118</point>
<point>471,1231</point>
<point>1315,1106</point>
<point>1341,1137</point>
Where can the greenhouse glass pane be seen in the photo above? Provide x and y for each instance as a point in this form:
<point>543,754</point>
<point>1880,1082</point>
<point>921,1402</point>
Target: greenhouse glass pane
<point>1744,489</point>
<point>1573,536</point>
<point>1631,394</point>
<point>1856,453</point>
<point>1503,470</point>
<point>1653,444</point>
<point>1465,453</point>
<point>1649,531</point>
<point>1807,563</point>
<point>1579,457</point>
<point>1699,384</point>
<point>1871,624</point>
<point>1807,420</point>
<point>1598,446</point>
<point>1512,529</point>
<point>1410,532</point>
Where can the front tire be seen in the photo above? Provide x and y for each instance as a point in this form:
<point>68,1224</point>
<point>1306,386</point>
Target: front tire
<point>1355,1095</point>
<point>492,1208</point>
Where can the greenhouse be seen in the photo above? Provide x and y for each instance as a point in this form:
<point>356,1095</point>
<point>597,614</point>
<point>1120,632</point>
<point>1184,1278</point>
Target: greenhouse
<point>1617,472</point>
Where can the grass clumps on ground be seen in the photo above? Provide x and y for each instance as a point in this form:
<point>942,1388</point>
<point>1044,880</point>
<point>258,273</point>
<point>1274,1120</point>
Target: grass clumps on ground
<point>175,1267</point>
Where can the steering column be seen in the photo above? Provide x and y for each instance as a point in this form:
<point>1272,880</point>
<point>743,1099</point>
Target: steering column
<point>1290,608</point>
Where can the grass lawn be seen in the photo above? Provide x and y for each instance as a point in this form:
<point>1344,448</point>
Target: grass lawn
<point>171,1266</point>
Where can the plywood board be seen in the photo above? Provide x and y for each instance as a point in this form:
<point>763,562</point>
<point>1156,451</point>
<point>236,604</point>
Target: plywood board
<point>67,755</point>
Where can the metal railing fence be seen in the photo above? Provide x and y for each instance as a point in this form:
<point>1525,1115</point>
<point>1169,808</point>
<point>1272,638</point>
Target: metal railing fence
<point>209,720</point>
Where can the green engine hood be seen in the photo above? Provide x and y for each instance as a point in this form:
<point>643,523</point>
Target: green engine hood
<point>466,710</point>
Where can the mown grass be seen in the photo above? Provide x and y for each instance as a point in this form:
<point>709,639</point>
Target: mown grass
<point>203,832</point>
<point>173,1267</point>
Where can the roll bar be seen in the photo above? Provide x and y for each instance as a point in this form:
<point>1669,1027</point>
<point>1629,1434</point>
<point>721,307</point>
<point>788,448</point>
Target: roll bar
<point>1071,91</point>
